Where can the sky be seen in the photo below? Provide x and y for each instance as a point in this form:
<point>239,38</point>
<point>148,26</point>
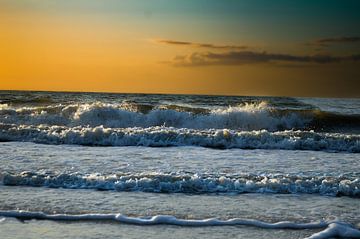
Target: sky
<point>225,47</point>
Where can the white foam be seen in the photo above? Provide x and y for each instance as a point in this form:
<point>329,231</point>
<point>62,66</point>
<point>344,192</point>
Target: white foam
<point>338,230</point>
<point>163,219</point>
<point>193,183</point>
<point>168,136</point>
<point>245,117</point>
<point>332,228</point>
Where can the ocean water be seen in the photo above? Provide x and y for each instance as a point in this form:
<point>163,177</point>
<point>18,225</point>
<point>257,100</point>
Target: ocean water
<point>99,165</point>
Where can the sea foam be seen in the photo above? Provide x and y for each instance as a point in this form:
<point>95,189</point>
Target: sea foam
<point>168,136</point>
<point>331,228</point>
<point>192,183</point>
<point>245,117</point>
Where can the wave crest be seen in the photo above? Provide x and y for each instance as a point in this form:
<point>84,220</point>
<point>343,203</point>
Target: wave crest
<point>245,117</point>
<point>193,183</point>
<point>167,136</point>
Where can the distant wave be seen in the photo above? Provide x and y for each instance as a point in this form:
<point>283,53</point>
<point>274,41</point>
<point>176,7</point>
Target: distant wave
<point>331,228</point>
<point>254,116</point>
<point>193,183</point>
<point>27,99</point>
<point>164,137</point>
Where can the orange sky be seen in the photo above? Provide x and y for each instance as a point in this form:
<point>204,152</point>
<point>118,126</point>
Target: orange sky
<point>58,50</point>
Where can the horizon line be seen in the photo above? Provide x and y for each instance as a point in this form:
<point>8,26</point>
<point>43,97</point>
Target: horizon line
<point>181,94</point>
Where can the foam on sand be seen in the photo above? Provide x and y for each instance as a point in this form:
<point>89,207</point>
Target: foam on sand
<point>331,228</point>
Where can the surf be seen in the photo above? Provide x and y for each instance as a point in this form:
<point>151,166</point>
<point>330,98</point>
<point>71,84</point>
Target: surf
<point>174,182</point>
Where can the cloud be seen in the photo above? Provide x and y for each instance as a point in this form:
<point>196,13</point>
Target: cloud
<point>325,42</point>
<point>201,45</point>
<point>252,57</point>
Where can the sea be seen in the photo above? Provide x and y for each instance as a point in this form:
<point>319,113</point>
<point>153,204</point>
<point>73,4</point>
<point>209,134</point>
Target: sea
<point>106,165</point>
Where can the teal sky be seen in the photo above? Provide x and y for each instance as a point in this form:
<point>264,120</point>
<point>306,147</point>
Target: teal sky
<point>267,23</point>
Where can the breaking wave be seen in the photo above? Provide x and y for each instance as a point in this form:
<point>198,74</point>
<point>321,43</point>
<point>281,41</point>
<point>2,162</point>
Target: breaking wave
<point>344,185</point>
<point>246,117</point>
<point>165,137</point>
<point>253,116</point>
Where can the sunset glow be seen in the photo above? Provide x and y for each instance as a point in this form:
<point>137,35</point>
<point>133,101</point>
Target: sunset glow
<point>226,47</point>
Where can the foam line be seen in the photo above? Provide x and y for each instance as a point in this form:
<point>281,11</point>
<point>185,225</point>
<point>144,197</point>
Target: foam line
<point>338,230</point>
<point>331,228</point>
<point>162,219</point>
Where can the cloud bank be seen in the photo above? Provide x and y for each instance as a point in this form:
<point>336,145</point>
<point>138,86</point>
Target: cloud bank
<point>252,57</point>
<point>201,45</point>
<point>325,42</point>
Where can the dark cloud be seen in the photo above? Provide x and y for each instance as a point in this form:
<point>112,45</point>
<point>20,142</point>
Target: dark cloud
<point>252,57</point>
<point>325,42</point>
<point>202,45</point>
